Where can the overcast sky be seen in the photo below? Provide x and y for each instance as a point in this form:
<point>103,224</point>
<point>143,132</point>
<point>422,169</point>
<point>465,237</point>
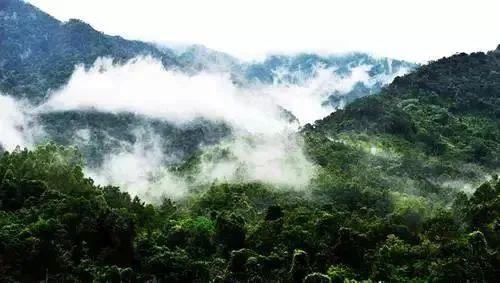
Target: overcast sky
<point>416,30</point>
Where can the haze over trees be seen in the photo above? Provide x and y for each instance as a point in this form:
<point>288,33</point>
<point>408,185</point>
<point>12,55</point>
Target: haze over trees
<point>402,185</point>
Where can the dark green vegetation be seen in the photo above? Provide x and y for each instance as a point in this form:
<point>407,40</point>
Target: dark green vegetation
<point>383,207</point>
<point>39,53</point>
<point>401,191</point>
<point>85,129</point>
<point>56,224</point>
<point>436,125</point>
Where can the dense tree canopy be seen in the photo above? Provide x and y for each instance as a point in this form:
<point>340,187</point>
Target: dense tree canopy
<point>406,187</point>
<point>56,224</point>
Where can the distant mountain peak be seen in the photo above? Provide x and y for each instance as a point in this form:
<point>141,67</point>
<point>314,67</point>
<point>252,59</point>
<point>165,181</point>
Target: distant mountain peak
<point>38,46</point>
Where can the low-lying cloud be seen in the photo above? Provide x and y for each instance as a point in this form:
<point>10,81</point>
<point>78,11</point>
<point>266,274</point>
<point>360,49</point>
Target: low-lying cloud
<point>143,86</point>
<point>264,146</point>
<point>306,96</point>
<point>13,123</point>
<point>277,159</point>
<point>139,169</point>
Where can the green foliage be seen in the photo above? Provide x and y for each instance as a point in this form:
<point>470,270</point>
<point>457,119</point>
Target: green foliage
<point>373,212</point>
<point>428,133</point>
<point>109,132</point>
<point>39,52</point>
<point>340,273</point>
<point>55,223</point>
<point>356,224</point>
<point>379,207</point>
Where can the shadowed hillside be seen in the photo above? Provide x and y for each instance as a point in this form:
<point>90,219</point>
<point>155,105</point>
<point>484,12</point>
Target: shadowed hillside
<point>405,191</point>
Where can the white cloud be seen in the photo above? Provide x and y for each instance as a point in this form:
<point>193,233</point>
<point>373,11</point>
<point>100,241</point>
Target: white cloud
<point>306,98</point>
<point>144,87</point>
<point>264,146</point>
<point>139,169</point>
<point>277,159</point>
<point>411,30</point>
<point>13,124</point>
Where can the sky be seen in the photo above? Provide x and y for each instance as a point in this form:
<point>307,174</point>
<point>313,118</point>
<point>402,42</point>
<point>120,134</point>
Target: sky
<point>416,30</point>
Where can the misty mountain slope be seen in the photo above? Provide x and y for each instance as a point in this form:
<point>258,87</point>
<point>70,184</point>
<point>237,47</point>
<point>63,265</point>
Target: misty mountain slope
<point>462,86</point>
<point>197,58</point>
<point>393,198</point>
<point>366,74</point>
<point>434,128</point>
<point>193,166</point>
<point>99,135</point>
<point>169,103</point>
<point>39,52</point>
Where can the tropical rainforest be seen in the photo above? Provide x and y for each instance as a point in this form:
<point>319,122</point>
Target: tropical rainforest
<point>405,184</point>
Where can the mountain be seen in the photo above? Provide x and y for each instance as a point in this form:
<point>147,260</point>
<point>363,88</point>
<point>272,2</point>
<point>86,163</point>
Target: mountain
<point>40,53</point>
<point>198,58</point>
<point>401,176</point>
<point>368,74</point>
<point>405,191</point>
<point>455,99</point>
<point>433,131</point>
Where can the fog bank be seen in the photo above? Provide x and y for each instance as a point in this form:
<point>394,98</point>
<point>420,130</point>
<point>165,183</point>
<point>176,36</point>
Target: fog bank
<point>13,123</point>
<point>264,145</point>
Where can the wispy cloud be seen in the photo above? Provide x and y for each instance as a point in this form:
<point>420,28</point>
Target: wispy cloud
<point>264,145</point>
<point>13,123</point>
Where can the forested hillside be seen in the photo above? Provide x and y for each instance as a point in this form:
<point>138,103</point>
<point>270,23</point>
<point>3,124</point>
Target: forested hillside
<point>406,190</point>
<point>56,224</point>
<point>40,56</point>
<point>39,53</point>
<point>207,168</point>
<point>436,126</point>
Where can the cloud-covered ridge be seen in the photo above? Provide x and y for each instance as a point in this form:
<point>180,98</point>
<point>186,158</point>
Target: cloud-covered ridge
<point>143,86</point>
<point>264,145</point>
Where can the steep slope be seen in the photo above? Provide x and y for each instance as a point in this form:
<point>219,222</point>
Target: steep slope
<point>39,52</point>
<point>366,74</point>
<point>436,127</point>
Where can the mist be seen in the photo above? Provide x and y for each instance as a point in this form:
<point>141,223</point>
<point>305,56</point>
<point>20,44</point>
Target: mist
<point>144,87</point>
<point>13,123</point>
<point>277,159</point>
<point>139,169</point>
<point>264,145</point>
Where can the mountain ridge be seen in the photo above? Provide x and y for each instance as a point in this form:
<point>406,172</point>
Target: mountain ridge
<point>39,45</point>
<point>47,50</point>
<point>400,186</point>
<point>429,128</point>
<point>398,197</point>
